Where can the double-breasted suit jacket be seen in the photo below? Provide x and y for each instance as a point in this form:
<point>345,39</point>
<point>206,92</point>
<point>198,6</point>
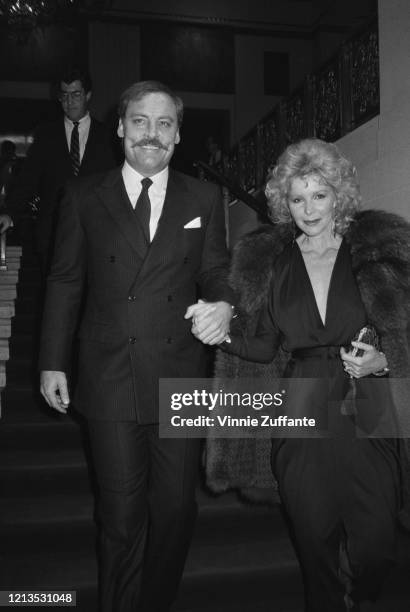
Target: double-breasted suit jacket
<point>133,329</point>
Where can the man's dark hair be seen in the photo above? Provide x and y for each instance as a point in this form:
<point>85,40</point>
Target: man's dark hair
<point>139,90</point>
<point>75,73</point>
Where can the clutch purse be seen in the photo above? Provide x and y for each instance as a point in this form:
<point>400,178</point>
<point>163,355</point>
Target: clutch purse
<point>368,335</point>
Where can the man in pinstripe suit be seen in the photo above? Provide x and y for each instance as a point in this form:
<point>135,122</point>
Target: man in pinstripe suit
<point>140,273</point>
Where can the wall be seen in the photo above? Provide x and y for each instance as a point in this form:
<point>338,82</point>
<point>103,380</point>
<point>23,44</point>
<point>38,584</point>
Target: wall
<point>115,58</point>
<point>115,61</point>
<point>259,13</point>
<point>250,103</point>
<point>381,148</point>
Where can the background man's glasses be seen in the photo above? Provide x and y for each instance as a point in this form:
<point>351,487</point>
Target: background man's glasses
<point>74,95</point>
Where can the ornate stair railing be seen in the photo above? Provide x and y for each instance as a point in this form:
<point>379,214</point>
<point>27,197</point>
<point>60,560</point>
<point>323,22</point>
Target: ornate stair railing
<point>333,101</point>
<point>231,193</point>
<point>236,191</point>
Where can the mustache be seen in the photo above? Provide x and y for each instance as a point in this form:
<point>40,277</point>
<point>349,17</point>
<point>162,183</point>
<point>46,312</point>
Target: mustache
<point>149,142</point>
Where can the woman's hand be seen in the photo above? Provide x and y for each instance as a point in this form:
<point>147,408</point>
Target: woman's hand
<point>370,362</point>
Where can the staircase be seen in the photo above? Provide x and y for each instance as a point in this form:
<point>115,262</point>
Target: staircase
<point>9,271</point>
<point>240,560</point>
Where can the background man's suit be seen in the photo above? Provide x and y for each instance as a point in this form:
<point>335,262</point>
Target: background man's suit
<point>132,333</point>
<point>47,169</point>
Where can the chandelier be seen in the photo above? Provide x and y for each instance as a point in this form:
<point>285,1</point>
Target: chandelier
<point>22,16</point>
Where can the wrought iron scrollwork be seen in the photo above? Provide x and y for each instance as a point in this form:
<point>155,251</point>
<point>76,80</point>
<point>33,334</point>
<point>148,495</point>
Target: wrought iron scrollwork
<point>295,117</point>
<point>248,161</point>
<point>365,76</point>
<point>269,143</point>
<point>326,103</point>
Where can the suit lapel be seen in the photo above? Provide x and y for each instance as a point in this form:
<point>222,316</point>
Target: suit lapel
<point>115,199</point>
<point>175,212</point>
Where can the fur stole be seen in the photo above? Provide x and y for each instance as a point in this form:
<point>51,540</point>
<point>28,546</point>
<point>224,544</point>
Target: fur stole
<point>379,243</point>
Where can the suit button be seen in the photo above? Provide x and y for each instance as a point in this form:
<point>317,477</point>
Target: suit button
<point>132,298</point>
<point>132,340</point>
<point>169,298</point>
<point>185,259</point>
<point>169,340</point>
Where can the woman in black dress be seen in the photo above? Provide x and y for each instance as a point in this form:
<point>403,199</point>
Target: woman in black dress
<point>340,492</point>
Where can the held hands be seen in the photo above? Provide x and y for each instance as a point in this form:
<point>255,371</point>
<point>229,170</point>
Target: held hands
<point>54,389</point>
<point>372,361</point>
<point>210,320</point>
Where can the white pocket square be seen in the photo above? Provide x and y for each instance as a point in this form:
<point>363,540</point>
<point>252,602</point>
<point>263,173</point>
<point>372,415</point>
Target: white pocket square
<point>194,223</point>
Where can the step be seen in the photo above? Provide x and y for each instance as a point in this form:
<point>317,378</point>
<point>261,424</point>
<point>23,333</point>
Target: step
<point>25,323</point>
<point>22,515</point>
<point>204,561</point>
<point>2,374</point>
<point>7,309</point>
<point>243,589</point>
<point>25,519</point>
<point>29,274</point>
<point>8,292</point>
<point>64,478</point>
<point>39,460</point>
<point>228,576</point>
<point>28,305</point>
<point>51,570</point>
<point>14,251</point>
<point>5,327</point>
<point>24,403</point>
<point>4,348</point>
<point>28,290</point>
<point>20,370</point>
<point>22,345</point>
<point>13,264</point>
<point>53,435</point>
<point>8,277</point>
<point>253,585</point>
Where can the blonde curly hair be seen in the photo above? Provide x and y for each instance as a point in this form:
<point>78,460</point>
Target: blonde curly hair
<point>323,160</point>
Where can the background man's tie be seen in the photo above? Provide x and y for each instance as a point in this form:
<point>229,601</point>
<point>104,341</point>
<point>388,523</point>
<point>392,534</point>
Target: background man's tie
<point>75,148</point>
<point>143,209</point>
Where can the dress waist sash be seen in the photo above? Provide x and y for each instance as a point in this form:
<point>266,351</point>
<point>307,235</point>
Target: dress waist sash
<point>317,352</point>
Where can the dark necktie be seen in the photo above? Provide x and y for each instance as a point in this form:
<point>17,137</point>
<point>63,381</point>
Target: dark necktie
<point>143,208</point>
<point>75,148</point>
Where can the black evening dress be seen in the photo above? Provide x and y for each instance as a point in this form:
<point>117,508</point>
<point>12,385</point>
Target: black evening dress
<point>340,492</point>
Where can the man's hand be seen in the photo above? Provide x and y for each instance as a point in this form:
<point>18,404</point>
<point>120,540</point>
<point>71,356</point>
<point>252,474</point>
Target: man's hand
<point>54,389</point>
<point>5,223</point>
<point>210,320</point>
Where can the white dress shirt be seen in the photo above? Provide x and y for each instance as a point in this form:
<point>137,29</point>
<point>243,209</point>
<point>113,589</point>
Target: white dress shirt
<point>83,131</point>
<point>132,181</point>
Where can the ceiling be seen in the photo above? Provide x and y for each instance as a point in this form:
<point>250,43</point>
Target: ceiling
<point>297,16</point>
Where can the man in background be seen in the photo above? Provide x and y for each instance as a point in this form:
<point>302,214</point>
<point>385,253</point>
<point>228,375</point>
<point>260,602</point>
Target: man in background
<point>74,145</point>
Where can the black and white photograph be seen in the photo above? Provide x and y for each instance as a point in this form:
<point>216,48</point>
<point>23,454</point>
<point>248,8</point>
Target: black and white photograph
<point>205,305</point>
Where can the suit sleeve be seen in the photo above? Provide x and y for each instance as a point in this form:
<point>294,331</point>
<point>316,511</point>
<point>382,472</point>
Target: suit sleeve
<point>213,275</point>
<point>261,347</point>
<point>65,285</point>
